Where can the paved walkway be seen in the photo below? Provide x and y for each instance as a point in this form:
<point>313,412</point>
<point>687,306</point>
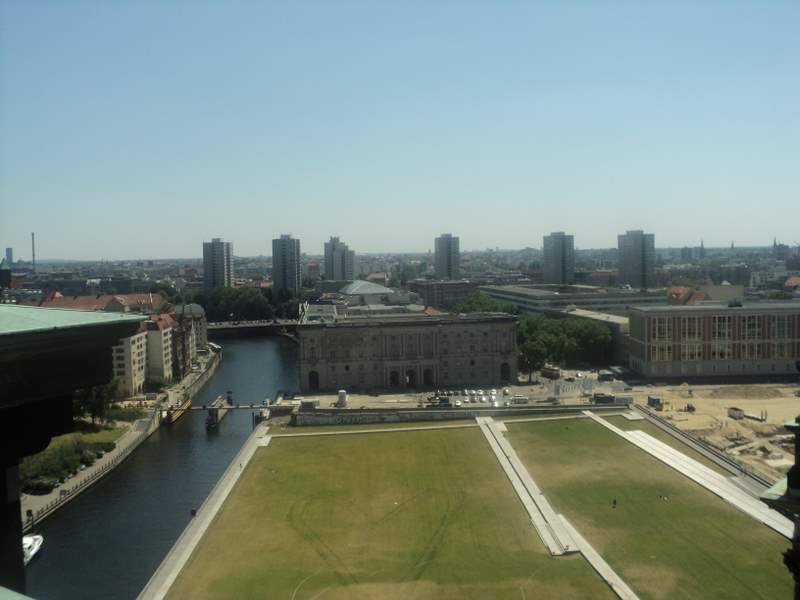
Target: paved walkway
<point>171,566</point>
<point>376,430</point>
<point>556,532</point>
<point>718,484</point>
<point>620,588</point>
<point>544,519</point>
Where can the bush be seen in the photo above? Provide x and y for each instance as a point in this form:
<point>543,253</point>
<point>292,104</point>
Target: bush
<point>116,412</point>
<point>40,473</point>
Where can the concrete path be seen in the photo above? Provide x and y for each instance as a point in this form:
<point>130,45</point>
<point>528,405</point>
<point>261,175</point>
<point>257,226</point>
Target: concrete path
<point>377,430</point>
<point>718,484</point>
<point>171,566</point>
<point>544,519</point>
<point>620,588</point>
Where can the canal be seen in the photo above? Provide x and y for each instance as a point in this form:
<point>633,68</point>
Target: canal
<point>108,542</point>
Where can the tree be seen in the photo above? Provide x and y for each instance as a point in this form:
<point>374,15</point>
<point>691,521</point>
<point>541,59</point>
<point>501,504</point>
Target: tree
<point>532,356</point>
<point>479,302</point>
<point>94,401</point>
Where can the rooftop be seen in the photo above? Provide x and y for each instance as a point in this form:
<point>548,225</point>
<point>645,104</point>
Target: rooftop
<point>28,319</point>
<point>364,287</point>
<point>716,306</point>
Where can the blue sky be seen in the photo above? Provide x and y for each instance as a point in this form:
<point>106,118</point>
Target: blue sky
<point>139,129</point>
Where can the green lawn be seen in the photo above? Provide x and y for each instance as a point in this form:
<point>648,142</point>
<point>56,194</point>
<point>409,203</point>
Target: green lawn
<point>663,436</point>
<point>691,545</point>
<point>402,515</point>
<point>103,433</point>
<point>288,429</point>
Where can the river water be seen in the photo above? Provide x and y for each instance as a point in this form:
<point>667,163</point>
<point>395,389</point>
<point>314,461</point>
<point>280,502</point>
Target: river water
<point>108,542</point>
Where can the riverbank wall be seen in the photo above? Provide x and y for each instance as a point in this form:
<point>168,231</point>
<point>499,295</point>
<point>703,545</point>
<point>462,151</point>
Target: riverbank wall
<point>344,416</point>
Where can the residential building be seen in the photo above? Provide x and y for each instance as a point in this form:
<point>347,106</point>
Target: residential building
<point>447,257</point>
<point>687,253</point>
<point>442,294</point>
<point>286,273</point>
<point>637,259</point>
<point>559,258</point>
<point>159,348</point>
<point>217,264</point>
<point>339,260</point>
<point>715,339</point>
<point>130,364</point>
<point>405,349</point>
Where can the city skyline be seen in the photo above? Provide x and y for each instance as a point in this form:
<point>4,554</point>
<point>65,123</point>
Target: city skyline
<point>500,124</point>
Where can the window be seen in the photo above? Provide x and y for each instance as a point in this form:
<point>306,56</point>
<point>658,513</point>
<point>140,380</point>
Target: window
<point>752,327</point>
<point>721,328</point>
<point>691,352</point>
<point>751,351</point>
<point>721,351</point>
<point>661,352</point>
<point>690,328</point>
<point>662,329</point>
<point>780,327</point>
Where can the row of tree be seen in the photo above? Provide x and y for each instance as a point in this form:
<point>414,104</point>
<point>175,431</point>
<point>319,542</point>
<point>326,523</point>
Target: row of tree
<point>247,303</point>
<point>560,341</point>
<point>541,339</point>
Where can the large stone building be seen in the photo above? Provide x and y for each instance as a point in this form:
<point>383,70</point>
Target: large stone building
<point>339,260</point>
<point>286,268</point>
<point>447,257</point>
<point>637,259</point>
<point>405,350</point>
<point>559,258</point>
<point>217,264</point>
<point>715,339</point>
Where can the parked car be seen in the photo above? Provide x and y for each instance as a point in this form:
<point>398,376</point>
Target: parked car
<point>506,392</point>
<point>458,403</point>
<point>493,392</point>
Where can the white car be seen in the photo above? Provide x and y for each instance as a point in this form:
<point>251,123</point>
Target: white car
<point>483,399</point>
<point>493,392</point>
<point>458,403</point>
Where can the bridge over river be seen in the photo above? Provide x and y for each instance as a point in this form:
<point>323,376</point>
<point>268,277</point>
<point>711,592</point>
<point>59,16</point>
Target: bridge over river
<point>229,329</point>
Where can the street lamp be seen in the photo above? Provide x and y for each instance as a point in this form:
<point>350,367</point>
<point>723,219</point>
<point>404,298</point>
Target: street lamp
<point>784,497</point>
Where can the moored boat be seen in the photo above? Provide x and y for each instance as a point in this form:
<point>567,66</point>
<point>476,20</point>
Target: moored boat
<point>31,544</point>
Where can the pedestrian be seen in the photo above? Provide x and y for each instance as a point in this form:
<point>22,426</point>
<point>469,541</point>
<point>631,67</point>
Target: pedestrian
<point>614,503</point>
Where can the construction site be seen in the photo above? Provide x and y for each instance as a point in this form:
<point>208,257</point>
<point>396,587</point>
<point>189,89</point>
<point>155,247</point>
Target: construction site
<point>744,421</point>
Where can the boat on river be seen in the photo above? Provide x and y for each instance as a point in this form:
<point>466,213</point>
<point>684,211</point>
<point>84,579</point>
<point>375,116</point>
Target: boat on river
<point>176,410</point>
<point>31,544</point>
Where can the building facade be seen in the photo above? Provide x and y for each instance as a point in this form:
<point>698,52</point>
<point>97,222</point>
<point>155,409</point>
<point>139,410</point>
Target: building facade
<point>130,364</point>
<point>339,260</point>
<point>442,294</point>
<point>715,339</point>
<point>447,257</point>
<point>286,269</point>
<point>637,259</point>
<point>559,258</point>
<point>159,349</point>
<point>408,352</point>
<point>217,264</point>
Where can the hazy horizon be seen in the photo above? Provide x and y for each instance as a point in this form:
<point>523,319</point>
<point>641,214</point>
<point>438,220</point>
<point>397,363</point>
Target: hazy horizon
<point>136,131</point>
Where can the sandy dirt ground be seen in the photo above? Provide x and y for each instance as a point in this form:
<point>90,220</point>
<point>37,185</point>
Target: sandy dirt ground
<point>764,445</point>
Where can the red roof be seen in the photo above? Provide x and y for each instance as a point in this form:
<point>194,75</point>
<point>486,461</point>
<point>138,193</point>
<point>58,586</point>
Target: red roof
<point>792,282</point>
<point>146,302</point>
<point>160,322</point>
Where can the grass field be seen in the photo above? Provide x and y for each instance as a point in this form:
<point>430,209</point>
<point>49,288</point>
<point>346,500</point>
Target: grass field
<point>401,515</point>
<point>691,545</point>
<point>330,428</point>
<point>663,436</point>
